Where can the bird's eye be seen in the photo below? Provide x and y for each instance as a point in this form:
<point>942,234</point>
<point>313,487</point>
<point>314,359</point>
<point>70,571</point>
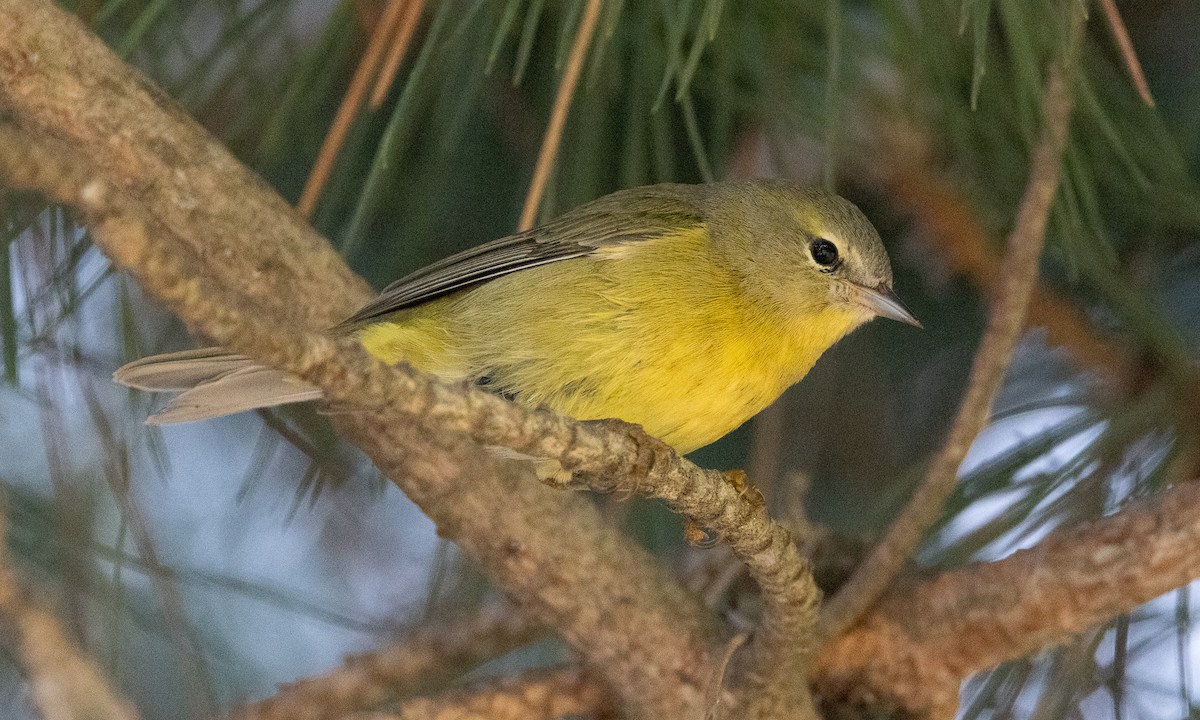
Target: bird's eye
<point>824,253</point>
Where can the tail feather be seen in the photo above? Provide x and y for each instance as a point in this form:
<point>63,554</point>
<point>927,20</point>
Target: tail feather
<point>182,370</point>
<point>213,383</point>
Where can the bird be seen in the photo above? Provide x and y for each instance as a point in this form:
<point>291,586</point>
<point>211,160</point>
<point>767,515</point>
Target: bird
<point>685,309</point>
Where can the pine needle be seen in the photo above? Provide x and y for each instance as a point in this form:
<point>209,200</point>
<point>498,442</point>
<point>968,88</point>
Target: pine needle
<point>558,115</point>
<point>347,111</point>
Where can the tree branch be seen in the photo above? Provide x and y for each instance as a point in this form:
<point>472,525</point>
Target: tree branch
<point>535,695</point>
<point>927,635</point>
<point>737,515</point>
<point>1020,271</point>
<point>430,656</point>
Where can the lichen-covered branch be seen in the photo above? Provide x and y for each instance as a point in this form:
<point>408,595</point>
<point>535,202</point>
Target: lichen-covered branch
<point>927,635</point>
<point>1019,277</point>
<point>737,515</point>
<point>431,655</point>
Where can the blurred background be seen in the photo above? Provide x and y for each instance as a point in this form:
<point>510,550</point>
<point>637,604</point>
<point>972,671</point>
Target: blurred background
<point>202,564</point>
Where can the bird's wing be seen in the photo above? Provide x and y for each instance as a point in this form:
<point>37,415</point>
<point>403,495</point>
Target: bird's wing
<point>621,218</point>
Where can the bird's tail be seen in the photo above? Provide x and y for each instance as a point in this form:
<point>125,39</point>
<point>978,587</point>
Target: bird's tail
<point>211,382</point>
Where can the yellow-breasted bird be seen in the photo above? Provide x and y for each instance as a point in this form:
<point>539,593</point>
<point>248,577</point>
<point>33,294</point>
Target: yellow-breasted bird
<point>683,308</point>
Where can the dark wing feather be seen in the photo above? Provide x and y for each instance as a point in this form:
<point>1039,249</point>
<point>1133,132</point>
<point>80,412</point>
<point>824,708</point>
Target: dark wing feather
<point>620,218</point>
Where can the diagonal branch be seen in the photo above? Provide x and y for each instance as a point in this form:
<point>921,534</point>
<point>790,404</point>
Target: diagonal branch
<point>953,229</point>
<point>927,635</point>
<point>1020,271</point>
<point>59,80</point>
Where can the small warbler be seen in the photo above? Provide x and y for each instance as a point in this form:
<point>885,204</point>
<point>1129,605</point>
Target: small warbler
<point>683,308</point>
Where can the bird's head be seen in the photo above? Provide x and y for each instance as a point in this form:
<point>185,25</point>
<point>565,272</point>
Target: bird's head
<point>803,250</point>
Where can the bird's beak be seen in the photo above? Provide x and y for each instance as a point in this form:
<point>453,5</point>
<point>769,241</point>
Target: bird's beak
<point>883,302</point>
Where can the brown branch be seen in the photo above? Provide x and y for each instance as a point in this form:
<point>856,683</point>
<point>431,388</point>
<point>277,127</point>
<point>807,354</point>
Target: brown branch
<point>1005,323</point>
<point>533,695</point>
<point>927,635</point>
<point>736,514</point>
<point>1121,36</point>
<point>351,102</point>
<point>558,114</point>
<point>66,684</point>
<point>430,656</point>
<point>403,37</point>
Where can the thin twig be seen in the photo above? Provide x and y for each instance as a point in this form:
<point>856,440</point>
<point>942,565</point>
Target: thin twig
<point>429,656</point>
<point>558,114</point>
<point>1005,323</point>
<point>403,37</point>
<point>952,228</point>
<point>1125,45</point>
<point>351,102</point>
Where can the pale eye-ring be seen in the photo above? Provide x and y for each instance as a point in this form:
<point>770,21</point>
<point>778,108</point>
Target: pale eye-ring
<point>824,253</point>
